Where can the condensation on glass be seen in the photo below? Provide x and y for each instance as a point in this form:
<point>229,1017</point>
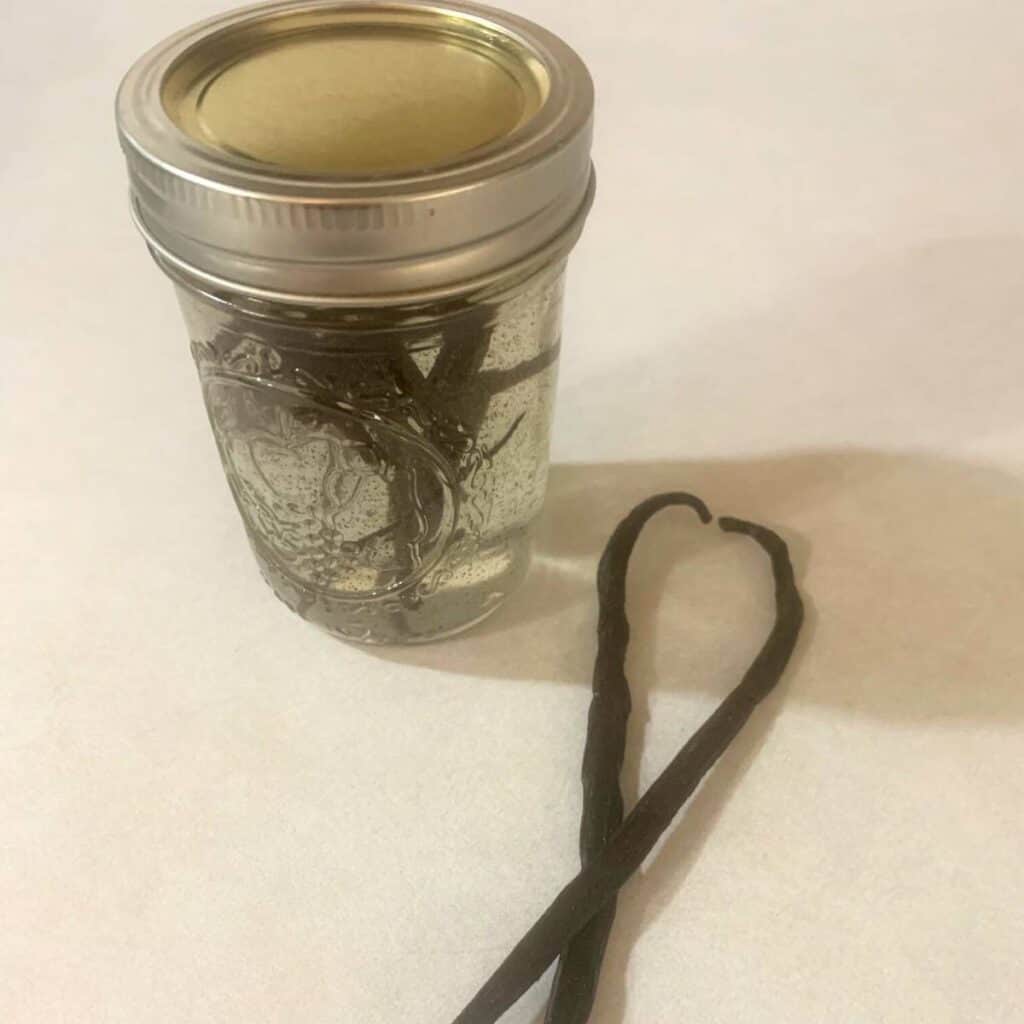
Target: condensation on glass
<point>366,210</point>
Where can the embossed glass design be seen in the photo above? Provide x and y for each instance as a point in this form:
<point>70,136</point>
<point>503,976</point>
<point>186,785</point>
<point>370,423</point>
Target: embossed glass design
<point>386,463</point>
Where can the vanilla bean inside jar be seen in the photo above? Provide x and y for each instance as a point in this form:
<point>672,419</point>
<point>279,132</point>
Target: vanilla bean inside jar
<point>367,210</point>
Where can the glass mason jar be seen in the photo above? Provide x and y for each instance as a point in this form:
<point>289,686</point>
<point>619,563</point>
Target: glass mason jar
<point>366,210</point>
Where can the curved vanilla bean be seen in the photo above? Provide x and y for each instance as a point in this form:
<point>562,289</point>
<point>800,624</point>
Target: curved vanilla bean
<point>496,381</point>
<point>508,435</point>
<point>600,880</point>
<point>572,994</point>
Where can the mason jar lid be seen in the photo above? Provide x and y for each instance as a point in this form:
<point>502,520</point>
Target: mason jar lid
<point>340,152</point>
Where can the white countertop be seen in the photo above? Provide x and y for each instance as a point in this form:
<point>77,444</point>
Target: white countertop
<point>799,295</point>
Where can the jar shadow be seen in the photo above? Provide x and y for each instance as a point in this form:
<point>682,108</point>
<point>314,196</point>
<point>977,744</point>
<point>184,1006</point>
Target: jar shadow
<point>893,551</point>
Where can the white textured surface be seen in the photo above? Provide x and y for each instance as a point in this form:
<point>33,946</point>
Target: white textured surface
<point>799,295</point>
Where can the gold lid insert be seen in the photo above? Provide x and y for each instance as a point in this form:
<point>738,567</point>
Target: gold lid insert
<point>359,101</point>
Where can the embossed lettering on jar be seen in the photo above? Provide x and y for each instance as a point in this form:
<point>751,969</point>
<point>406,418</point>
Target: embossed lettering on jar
<point>366,210</point>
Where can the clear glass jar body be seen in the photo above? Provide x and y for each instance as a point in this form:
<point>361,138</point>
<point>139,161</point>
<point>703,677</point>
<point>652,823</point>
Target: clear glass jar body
<point>386,462</point>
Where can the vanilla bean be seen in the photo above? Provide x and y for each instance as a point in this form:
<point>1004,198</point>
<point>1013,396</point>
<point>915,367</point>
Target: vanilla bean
<point>589,892</point>
<point>509,434</point>
<point>454,378</point>
<point>572,994</point>
<point>452,408</point>
<point>496,381</point>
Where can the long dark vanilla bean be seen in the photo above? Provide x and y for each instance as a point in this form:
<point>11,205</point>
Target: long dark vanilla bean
<point>589,892</point>
<point>572,995</point>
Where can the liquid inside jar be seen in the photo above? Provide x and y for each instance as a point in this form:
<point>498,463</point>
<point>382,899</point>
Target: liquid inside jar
<point>386,463</point>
